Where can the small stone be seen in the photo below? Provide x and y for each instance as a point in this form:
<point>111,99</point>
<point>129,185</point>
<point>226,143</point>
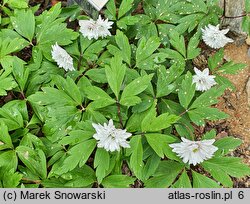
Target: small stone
<point>248,40</point>
<point>248,91</point>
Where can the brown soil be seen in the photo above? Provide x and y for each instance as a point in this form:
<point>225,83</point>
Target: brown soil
<point>235,104</point>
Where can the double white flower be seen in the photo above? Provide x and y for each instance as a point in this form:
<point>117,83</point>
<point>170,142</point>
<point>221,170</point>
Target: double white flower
<point>194,152</point>
<point>214,37</point>
<point>62,58</point>
<point>203,80</point>
<point>110,138</point>
<point>94,29</point>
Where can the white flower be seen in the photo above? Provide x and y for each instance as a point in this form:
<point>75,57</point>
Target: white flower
<point>194,152</point>
<point>214,37</point>
<point>203,80</point>
<point>62,58</point>
<point>88,28</point>
<point>109,137</point>
<point>103,27</point>
<point>94,29</point>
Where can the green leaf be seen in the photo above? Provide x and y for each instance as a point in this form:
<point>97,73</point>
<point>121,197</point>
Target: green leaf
<point>134,88</point>
<point>11,179</point>
<point>166,79</point>
<point>247,4</point>
<point>78,155</point>
<point>218,174</point>
<point>192,50</point>
<point>158,142</point>
<point>8,160</point>
<point>101,163</point>
<point>151,123</point>
<point>183,181</point>
<point>150,167</point>
<point>24,23</point>
<point>97,75</point>
<point>227,144</point>
<point>164,175</point>
<point>124,46</point>
<point>198,115</point>
<point>21,73</point>
<point>51,29</point>
<point>208,98</point>
<point>101,98</point>
<point>178,42</point>
<point>223,167</point>
<point>231,68</point>
<point>19,4</point>
<point>5,139</point>
<point>145,49</point>
<point>209,135</point>
<point>8,46</point>
<point>125,7</point>
<point>6,82</point>
<point>230,165</point>
<point>200,181</point>
<point>136,158</point>
<point>215,60</point>
<point>223,81</point>
<point>69,87</point>
<point>35,160</point>
<point>115,74</point>
<point>187,91</point>
<point>118,181</point>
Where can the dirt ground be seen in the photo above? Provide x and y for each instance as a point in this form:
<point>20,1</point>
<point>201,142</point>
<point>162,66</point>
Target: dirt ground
<point>236,105</point>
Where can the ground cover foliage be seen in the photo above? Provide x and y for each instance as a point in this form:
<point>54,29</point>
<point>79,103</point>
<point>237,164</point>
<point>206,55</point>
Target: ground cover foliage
<point>140,77</point>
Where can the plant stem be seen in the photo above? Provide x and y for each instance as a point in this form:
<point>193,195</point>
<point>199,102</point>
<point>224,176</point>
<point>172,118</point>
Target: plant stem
<point>119,112</point>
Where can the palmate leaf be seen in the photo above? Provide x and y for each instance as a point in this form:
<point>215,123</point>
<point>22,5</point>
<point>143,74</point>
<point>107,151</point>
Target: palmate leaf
<point>153,123</point>
<point>221,168</point>
<point>78,155</point>
<point>231,165</point>
<point>51,29</point>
